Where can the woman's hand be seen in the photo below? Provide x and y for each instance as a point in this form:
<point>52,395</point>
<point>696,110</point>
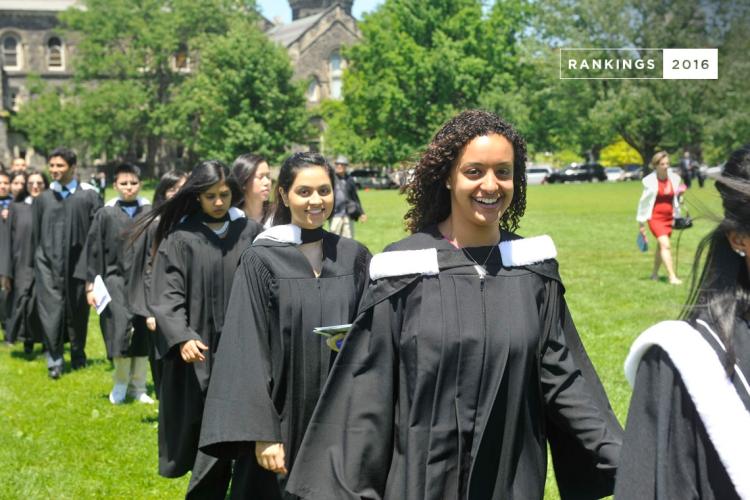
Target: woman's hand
<point>270,456</point>
<point>151,323</point>
<point>192,351</point>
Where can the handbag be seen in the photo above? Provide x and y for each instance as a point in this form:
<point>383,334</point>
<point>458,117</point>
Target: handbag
<point>682,222</point>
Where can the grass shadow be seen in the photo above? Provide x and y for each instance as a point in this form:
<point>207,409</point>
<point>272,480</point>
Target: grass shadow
<point>150,419</point>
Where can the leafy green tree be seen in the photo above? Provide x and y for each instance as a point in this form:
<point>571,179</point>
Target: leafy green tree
<point>45,120</point>
<point>420,61</point>
<point>648,114</point>
<point>242,98</point>
<point>156,74</point>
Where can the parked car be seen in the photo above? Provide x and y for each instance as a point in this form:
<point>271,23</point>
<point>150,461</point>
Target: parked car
<point>588,172</point>
<point>371,179</point>
<point>633,172</point>
<point>614,174</point>
<point>537,175</point>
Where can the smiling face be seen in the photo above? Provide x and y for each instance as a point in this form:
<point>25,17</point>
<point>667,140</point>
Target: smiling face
<point>259,186</point>
<point>35,185</point>
<point>216,200</point>
<point>4,185</point>
<point>310,197</point>
<point>60,171</point>
<point>481,182</point>
<point>128,186</point>
<point>18,165</point>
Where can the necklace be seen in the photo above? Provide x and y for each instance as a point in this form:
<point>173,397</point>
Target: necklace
<point>480,268</point>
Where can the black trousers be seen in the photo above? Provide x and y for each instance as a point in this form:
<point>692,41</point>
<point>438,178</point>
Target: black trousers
<point>64,315</point>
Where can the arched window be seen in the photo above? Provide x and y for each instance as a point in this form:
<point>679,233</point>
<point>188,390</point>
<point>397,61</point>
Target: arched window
<point>11,52</point>
<point>55,59</point>
<point>313,91</point>
<point>335,68</point>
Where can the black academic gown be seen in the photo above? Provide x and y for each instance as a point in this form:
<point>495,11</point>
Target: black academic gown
<point>271,366</point>
<point>450,385</point>
<point>138,290</point>
<point>667,452</point>
<point>18,264</point>
<point>109,255</point>
<point>60,227</point>
<point>5,297</point>
<point>192,278</point>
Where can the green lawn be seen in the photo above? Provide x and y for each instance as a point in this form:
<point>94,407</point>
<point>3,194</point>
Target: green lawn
<point>64,439</point>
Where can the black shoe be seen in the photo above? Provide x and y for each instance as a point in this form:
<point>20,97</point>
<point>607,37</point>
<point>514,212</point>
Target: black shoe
<point>55,372</point>
<point>78,364</point>
<point>28,348</point>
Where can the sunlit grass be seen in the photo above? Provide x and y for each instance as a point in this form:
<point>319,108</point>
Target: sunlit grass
<point>64,439</point>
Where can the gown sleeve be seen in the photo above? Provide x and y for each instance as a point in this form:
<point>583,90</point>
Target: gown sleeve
<point>169,294</point>
<point>667,452</point>
<point>239,409</point>
<point>6,246</point>
<point>91,262</point>
<point>583,432</point>
<point>136,285</point>
<point>347,449</point>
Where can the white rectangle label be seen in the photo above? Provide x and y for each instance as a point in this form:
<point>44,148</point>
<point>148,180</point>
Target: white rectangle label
<point>690,64</point>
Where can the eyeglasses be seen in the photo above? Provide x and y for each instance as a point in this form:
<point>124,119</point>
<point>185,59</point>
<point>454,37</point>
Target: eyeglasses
<point>35,183</point>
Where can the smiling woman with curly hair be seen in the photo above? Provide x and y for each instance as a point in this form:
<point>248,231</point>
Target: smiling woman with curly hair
<point>427,192</point>
<point>463,362</point>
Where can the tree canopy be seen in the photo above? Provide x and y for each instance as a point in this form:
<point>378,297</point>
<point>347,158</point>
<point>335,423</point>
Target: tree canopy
<point>420,61</point>
<point>148,76</point>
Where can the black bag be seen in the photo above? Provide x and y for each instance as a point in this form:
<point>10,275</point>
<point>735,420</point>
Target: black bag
<point>353,210</point>
<point>682,222</point>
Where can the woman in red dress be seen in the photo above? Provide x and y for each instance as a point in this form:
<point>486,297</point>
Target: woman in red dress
<point>658,206</point>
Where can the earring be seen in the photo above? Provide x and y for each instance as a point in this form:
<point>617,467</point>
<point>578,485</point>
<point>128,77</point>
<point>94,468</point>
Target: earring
<point>448,186</point>
<point>739,252</point>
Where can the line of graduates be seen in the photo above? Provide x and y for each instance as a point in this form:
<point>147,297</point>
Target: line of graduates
<point>290,363</point>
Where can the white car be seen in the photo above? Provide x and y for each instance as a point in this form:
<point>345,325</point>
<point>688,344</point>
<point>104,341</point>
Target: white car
<point>614,173</point>
<point>537,175</point>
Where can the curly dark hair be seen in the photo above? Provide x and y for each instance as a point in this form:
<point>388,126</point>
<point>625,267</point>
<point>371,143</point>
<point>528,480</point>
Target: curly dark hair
<point>426,192</point>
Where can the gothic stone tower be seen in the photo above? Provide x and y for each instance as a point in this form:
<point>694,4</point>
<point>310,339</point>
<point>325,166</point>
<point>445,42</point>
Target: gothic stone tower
<point>304,8</point>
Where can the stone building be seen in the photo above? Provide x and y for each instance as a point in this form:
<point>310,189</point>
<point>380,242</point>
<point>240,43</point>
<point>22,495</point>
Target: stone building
<point>314,38</point>
<point>31,44</point>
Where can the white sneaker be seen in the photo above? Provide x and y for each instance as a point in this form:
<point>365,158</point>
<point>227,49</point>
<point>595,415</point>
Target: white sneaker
<point>143,398</point>
<point>117,396</point>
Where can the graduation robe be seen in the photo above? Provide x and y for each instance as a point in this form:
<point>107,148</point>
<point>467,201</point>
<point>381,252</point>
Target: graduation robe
<point>688,427</point>
<point>60,227</point>
<point>271,366</point>
<point>451,383</point>
<point>17,263</point>
<point>192,278</point>
<point>5,297</point>
<point>108,254</point>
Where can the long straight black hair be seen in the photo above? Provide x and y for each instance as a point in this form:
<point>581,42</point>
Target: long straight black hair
<point>185,202</point>
<point>289,170</point>
<point>720,292</point>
